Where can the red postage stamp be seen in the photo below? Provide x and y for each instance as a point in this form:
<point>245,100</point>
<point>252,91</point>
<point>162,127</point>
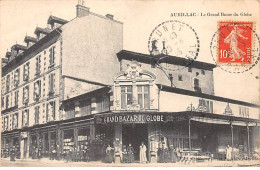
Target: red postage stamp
<point>235,42</point>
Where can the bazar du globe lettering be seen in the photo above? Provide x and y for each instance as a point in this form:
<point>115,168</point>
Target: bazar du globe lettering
<point>133,118</point>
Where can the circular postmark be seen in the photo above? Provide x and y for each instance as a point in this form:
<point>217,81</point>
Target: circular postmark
<point>235,46</point>
<point>174,38</point>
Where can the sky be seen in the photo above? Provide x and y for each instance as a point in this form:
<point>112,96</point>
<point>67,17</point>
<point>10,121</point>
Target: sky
<point>20,17</point>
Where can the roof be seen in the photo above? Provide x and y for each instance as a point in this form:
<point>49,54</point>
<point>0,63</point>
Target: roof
<point>105,89</point>
<point>56,20</point>
<point>203,95</point>
<point>31,51</point>
<point>145,58</point>
<point>42,30</point>
<point>19,47</point>
<point>30,39</point>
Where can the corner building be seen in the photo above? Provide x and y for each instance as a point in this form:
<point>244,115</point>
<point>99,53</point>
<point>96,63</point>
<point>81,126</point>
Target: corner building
<point>58,63</point>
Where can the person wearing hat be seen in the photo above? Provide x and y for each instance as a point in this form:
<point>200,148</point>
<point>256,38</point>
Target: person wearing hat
<point>130,153</point>
<point>12,154</point>
<point>173,155</point>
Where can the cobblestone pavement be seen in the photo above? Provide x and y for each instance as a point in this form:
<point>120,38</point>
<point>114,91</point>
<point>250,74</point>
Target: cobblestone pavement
<point>4,162</point>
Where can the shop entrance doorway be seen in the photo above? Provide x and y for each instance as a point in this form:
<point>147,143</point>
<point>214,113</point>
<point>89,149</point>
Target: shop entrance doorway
<point>135,134</point>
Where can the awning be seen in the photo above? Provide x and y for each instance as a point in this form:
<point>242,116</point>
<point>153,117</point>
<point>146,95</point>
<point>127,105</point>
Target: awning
<point>156,117</point>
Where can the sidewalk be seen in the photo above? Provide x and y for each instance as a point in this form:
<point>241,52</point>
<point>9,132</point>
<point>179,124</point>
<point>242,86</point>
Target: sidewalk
<point>4,162</point>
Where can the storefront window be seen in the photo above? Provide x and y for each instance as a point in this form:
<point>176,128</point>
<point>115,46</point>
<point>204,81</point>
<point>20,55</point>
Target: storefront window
<point>126,96</point>
<point>83,138</point>
<point>68,140</point>
<point>45,145</point>
<point>143,96</point>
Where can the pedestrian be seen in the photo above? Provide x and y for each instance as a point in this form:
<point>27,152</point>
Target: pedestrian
<point>125,155</point>
<point>142,154</point>
<point>228,153</point>
<point>130,152</point>
<point>109,154</point>
<point>12,154</point>
<point>159,152</point>
<point>173,155</point>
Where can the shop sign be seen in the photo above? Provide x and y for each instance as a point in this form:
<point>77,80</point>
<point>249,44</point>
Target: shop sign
<point>130,119</point>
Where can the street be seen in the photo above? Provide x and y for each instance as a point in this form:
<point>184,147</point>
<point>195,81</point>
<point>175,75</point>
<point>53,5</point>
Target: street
<point>48,163</point>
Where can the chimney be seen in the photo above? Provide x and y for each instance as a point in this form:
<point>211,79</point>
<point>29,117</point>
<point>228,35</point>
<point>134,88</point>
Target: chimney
<point>109,16</point>
<point>81,9</point>
<point>4,61</point>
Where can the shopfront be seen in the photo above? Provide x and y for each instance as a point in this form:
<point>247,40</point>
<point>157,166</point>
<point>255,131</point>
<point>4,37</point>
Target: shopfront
<point>193,133</point>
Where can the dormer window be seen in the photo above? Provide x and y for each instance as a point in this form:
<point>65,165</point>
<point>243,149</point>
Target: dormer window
<point>126,96</point>
<point>143,96</point>
<point>132,89</point>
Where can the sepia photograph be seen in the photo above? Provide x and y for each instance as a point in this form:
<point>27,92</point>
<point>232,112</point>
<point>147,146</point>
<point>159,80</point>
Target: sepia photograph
<point>130,83</point>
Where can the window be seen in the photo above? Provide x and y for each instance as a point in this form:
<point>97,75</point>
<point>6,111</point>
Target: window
<point>16,77</point>
<point>203,72</point>
<point>16,95</point>
<point>244,111</point>
<point>7,101</point>
<point>25,118</point>
<point>36,114</point>
<point>180,77</point>
<point>52,56</point>
<point>26,72</point>
<point>26,95</point>
<point>2,102</point>
<point>6,120</point>
<point>143,96</point>
<point>7,83</point>
<point>15,121</point>
<point>197,85</point>
<point>103,103</point>
<point>51,84</point>
<point>85,107</point>
<point>50,111</point>
<point>189,69</point>
<point>38,65</point>
<point>126,96</point>
<point>37,90</point>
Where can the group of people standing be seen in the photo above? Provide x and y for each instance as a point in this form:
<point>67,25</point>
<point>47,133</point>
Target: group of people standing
<point>76,155</point>
<point>126,156</point>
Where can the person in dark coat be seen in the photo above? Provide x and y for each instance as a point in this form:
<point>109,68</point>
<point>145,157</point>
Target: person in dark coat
<point>130,152</point>
<point>33,152</point>
<point>173,156</point>
<point>125,155</point>
<point>159,152</point>
<point>12,154</point>
<point>109,154</point>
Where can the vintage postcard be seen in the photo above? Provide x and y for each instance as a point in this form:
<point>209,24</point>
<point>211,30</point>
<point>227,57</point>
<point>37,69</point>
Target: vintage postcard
<point>130,83</point>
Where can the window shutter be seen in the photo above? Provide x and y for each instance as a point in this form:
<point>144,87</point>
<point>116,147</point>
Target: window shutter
<point>50,56</point>
<point>53,112</point>
<point>53,83</point>
<point>47,112</point>
<point>53,55</point>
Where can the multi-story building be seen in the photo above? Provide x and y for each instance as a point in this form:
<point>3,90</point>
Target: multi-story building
<point>59,63</point>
